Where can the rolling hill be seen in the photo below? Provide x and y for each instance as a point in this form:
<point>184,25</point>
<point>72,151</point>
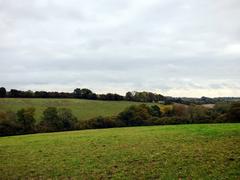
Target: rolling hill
<point>154,152</point>
<point>83,109</point>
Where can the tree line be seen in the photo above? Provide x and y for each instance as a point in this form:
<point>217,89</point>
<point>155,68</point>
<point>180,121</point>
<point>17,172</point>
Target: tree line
<point>83,93</point>
<point>61,119</point>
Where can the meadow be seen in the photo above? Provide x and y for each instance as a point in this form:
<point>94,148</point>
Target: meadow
<point>206,151</point>
<point>81,108</point>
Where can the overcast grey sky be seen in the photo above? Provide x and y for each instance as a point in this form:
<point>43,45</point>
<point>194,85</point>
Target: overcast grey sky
<point>173,47</point>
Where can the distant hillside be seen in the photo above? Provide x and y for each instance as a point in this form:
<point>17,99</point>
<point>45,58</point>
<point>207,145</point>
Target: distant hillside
<point>83,109</point>
<point>135,96</point>
<point>202,100</point>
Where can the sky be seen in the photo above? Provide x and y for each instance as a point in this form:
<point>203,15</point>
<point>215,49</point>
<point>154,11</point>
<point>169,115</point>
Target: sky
<point>185,48</point>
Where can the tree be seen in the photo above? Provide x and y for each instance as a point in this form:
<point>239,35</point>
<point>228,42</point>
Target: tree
<point>50,119</point>
<point>143,96</point>
<point>154,110</point>
<point>77,93</point>
<point>28,94</point>
<point>41,94</point>
<point>135,115</point>
<point>222,108</point>
<point>100,122</point>
<point>26,119</point>
<point>67,119</point>
<point>3,92</point>
<point>129,96</point>
<point>8,124</point>
<point>234,113</point>
<point>86,93</point>
<point>180,110</point>
<point>198,114</point>
<point>15,93</point>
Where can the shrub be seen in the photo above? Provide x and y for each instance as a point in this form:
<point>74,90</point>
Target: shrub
<point>135,115</point>
<point>67,119</point>
<point>222,108</point>
<point>50,120</point>
<point>198,114</point>
<point>168,111</point>
<point>3,92</point>
<point>99,122</point>
<point>154,110</point>
<point>57,120</point>
<point>221,119</point>
<point>170,120</point>
<point>26,119</point>
<point>234,112</point>
<point>180,110</point>
<point>8,124</point>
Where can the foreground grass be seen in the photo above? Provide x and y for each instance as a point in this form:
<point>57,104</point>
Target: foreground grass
<point>166,152</point>
<point>83,109</point>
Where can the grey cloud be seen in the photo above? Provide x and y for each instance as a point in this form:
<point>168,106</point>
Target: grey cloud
<point>162,46</point>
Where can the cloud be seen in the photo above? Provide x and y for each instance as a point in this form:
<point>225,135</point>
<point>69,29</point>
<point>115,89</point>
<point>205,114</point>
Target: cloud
<point>232,49</point>
<point>163,46</point>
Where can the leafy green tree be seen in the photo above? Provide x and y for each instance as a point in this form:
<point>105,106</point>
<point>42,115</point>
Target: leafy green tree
<point>234,113</point>
<point>3,92</point>
<point>143,96</point>
<point>129,96</point>
<point>168,111</point>
<point>222,107</point>
<point>8,124</point>
<point>77,93</point>
<point>26,119</point>
<point>84,93</point>
<point>135,115</point>
<point>15,93</point>
<point>67,119</point>
<point>41,94</point>
<point>50,119</point>
<point>155,111</point>
<point>198,114</point>
<point>100,122</point>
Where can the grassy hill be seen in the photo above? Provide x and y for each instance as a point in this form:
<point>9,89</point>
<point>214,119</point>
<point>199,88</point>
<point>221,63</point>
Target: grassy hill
<point>167,152</point>
<point>83,109</point>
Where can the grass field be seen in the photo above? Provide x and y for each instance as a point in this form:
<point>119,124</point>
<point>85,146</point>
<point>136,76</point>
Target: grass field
<point>83,109</point>
<point>166,152</point>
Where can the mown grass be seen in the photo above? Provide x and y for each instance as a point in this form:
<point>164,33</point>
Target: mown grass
<point>83,109</point>
<point>158,152</point>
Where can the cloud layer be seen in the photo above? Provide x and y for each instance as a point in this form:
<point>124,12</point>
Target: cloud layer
<point>174,47</point>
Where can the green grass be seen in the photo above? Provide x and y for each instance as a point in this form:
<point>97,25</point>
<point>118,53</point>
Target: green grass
<point>158,152</point>
<point>83,109</point>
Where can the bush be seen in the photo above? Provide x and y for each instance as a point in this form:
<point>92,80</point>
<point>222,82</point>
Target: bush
<point>50,120</point>
<point>222,108</point>
<point>67,119</point>
<point>234,112</point>
<point>57,120</point>
<point>168,111</point>
<point>62,119</point>
<point>170,120</point>
<point>3,92</point>
<point>180,110</point>
<point>198,114</point>
<point>135,115</point>
<point>8,124</point>
<point>99,122</point>
<point>26,119</point>
<point>155,111</point>
<point>221,119</point>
